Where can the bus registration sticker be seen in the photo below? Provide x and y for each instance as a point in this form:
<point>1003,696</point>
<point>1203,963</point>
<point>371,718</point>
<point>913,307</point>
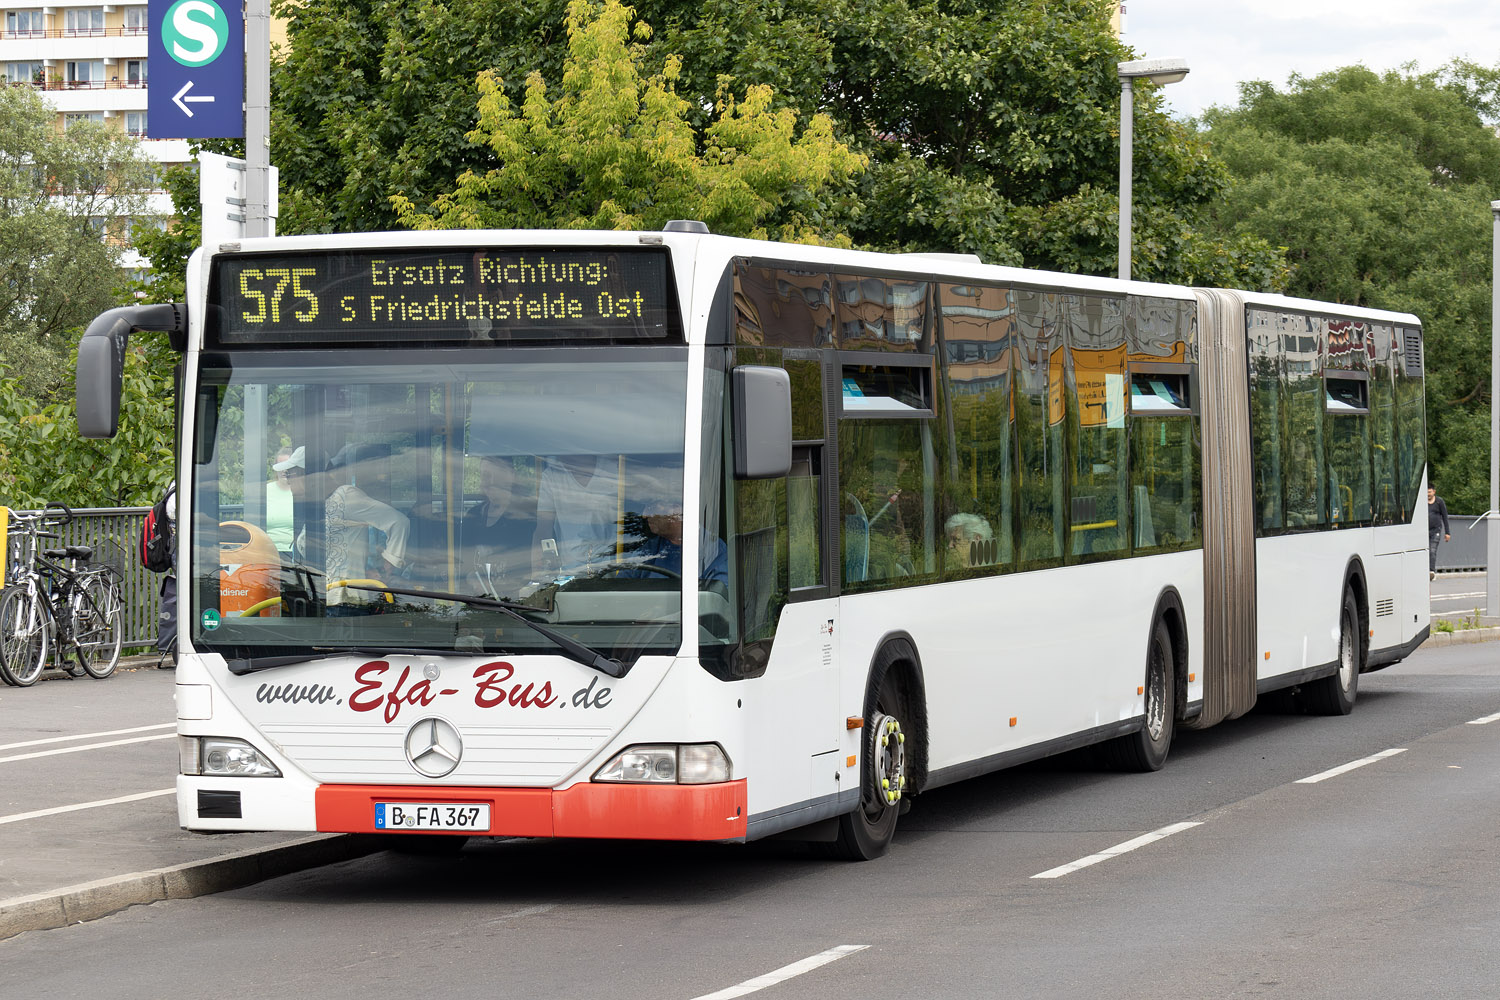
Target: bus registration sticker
<point>469,817</point>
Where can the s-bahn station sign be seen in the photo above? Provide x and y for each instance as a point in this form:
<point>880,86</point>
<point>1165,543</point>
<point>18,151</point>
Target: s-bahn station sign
<point>196,88</point>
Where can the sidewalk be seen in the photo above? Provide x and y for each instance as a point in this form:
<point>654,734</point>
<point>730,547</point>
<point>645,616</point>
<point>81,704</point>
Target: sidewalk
<point>88,821</point>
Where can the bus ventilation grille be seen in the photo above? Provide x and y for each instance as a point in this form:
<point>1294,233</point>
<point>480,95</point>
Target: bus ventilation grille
<point>1412,351</point>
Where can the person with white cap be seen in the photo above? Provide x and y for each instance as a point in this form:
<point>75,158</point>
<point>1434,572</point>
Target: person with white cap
<point>349,514</point>
<point>279,501</point>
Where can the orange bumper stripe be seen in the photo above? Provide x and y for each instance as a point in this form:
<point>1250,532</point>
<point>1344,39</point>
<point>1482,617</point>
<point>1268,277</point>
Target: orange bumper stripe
<point>622,812</point>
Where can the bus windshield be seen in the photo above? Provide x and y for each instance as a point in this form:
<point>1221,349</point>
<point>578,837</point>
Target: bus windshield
<point>329,497</point>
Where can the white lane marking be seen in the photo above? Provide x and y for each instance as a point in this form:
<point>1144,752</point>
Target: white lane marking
<point>1486,720</point>
<point>87,746</point>
<point>1117,850</point>
<point>1345,768</point>
<point>784,973</point>
<point>37,814</point>
<point>85,736</point>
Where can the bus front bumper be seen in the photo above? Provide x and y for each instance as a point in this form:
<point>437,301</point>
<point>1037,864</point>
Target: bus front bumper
<point>588,809</point>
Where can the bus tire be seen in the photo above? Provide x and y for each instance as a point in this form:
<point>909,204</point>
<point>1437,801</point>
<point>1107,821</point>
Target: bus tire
<point>866,833</point>
<point>1335,694</point>
<point>1146,748</point>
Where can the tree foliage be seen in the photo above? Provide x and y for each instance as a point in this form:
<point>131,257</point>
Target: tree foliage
<point>42,458</point>
<point>990,126</point>
<point>1379,187</point>
<point>616,150</point>
<point>61,194</point>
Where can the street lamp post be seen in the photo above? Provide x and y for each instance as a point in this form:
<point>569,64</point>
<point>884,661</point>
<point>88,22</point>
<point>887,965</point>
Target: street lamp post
<point>1158,71</point>
<point>1492,530</point>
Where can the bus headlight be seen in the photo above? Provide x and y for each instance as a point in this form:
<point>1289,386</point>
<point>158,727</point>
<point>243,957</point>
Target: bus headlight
<point>668,764</point>
<point>222,757</point>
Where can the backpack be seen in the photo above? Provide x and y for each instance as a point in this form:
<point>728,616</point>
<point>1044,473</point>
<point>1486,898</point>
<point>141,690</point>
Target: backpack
<point>157,543</point>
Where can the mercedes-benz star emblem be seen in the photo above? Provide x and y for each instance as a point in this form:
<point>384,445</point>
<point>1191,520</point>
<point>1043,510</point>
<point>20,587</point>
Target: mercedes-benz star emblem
<point>433,747</point>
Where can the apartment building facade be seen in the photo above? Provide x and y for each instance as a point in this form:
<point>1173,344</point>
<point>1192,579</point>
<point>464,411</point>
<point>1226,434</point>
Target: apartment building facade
<point>88,61</point>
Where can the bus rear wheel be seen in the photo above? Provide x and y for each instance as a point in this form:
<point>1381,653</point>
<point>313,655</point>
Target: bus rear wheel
<point>1146,749</point>
<point>1335,694</point>
<point>866,833</point>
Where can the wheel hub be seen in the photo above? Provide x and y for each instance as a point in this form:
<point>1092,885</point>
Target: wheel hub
<point>890,761</point>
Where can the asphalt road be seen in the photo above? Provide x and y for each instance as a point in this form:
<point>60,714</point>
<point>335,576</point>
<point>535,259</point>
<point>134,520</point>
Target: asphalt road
<point>1226,874</point>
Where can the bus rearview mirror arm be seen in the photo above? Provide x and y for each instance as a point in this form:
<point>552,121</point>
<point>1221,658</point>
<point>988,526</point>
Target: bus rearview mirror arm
<point>101,360</point>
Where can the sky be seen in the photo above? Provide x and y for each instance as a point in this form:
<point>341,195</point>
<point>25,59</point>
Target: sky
<point>1229,41</point>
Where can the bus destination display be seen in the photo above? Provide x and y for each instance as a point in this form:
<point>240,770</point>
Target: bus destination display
<point>447,295</point>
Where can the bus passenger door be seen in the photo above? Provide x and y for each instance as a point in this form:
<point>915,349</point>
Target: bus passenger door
<point>812,564</point>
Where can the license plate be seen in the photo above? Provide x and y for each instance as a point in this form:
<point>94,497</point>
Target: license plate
<point>468,817</point>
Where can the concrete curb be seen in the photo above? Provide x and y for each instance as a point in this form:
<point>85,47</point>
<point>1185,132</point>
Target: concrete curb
<point>1462,637</point>
<point>91,900</point>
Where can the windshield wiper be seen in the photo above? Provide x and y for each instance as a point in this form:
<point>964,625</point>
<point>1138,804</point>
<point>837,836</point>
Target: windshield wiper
<point>250,664</point>
<point>574,649</point>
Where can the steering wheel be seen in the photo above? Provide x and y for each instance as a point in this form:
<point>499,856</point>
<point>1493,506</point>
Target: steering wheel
<point>616,566</point>
<point>366,582</point>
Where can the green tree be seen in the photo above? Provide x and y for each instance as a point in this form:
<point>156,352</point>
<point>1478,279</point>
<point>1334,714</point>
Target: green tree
<point>1379,187</point>
<point>615,150</point>
<point>42,458</point>
<point>991,126</point>
<point>64,198</point>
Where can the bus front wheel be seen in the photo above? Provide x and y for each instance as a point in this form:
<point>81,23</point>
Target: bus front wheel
<point>866,833</point>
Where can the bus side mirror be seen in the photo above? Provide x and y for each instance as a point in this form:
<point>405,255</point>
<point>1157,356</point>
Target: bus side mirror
<point>101,360</point>
<point>762,402</point>
<point>98,387</point>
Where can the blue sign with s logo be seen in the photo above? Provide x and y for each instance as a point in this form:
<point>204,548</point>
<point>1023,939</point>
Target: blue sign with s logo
<point>196,89</point>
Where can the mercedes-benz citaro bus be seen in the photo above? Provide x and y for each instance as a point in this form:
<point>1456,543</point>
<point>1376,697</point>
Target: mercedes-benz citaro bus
<point>677,536</point>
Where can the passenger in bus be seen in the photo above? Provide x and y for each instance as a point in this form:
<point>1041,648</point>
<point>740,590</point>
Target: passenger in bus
<point>496,534</point>
<point>576,519</point>
<point>365,539</point>
<point>663,549</point>
<point>970,540</point>
<point>279,500</point>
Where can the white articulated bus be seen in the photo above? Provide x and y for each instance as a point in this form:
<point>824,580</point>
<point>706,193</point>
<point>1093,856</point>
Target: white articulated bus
<point>442,493</point>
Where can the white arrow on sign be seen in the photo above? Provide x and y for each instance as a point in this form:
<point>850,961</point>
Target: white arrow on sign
<point>178,99</point>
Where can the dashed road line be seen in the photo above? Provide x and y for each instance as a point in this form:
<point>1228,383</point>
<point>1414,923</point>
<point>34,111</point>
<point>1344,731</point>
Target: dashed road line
<point>55,810</point>
<point>86,736</point>
<point>1486,720</point>
<point>784,973</point>
<point>1345,768</point>
<point>86,746</point>
<point>1116,851</point>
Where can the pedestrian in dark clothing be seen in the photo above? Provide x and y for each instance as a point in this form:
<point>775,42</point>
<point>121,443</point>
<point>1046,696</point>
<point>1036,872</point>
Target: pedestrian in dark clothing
<point>1437,528</point>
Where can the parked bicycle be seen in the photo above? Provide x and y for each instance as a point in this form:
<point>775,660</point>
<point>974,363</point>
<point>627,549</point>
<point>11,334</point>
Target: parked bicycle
<point>74,608</point>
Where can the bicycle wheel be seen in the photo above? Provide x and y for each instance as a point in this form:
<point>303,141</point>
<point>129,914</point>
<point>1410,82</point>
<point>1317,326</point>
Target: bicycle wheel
<point>97,629</point>
<point>25,636</point>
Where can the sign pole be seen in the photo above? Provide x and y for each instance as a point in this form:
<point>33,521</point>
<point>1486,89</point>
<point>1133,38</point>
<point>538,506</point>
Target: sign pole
<point>258,221</point>
<point>1492,530</point>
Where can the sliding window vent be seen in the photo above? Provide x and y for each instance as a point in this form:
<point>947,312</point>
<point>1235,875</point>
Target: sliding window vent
<point>1411,351</point>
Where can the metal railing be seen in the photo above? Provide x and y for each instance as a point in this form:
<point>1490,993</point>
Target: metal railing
<point>1469,549</point>
<point>113,533</point>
